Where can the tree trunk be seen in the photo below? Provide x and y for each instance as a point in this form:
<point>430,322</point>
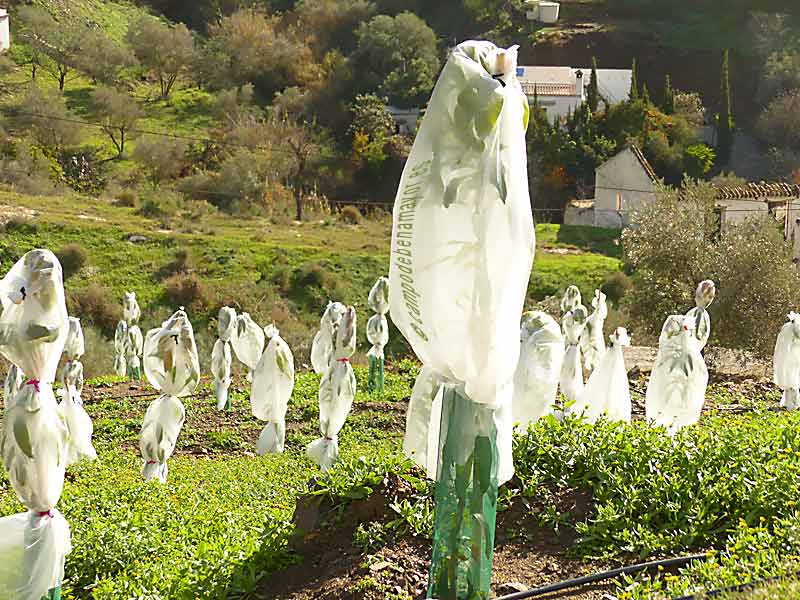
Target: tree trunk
<point>298,201</point>
<point>62,80</point>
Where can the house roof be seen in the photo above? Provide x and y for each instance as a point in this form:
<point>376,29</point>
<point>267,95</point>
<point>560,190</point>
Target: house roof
<point>549,89</point>
<point>546,75</point>
<point>643,161</point>
<point>759,191</point>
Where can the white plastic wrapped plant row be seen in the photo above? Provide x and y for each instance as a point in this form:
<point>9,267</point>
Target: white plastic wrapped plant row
<point>607,393</point>
<point>337,389</point>
<point>171,365</point>
<point>248,343</point>
<point>677,386</point>
<point>121,342</point>
<point>323,344</point>
<point>786,362</point>
<point>571,379</point>
<point>221,358</point>
<point>703,297</point>
<point>33,330</point>
<point>378,325</point>
<point>463,236</point>
<point>71,406</point>
<point>539,369</point>
<point>593,345</point>
<point>273,383</point>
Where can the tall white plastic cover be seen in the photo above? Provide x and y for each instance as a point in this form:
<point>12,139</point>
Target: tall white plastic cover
<point>607,392</point>
<point>77,420</point>
<point>273,383</point>
<point>703,297</point>
<point>570,300</point>
<point>571,380</point>
<point>677,386</point>
<point>171,365</point>
<point>540,359</point>
<point>121,349</point>
<point>248,343</point>
<point>377,325</point>
<point>221,358</point>
<point>133,351</point>
<point>131,313</point>
<point>337,389</point>
<point>33,331</point>
<point>786,362</point>
<point>322,346</point>
<point>593,345</point>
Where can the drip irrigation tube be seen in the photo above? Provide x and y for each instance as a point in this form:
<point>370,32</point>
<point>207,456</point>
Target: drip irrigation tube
<point>571,583</point>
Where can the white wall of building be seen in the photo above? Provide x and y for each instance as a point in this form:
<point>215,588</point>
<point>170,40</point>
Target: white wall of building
<point>622,186</point>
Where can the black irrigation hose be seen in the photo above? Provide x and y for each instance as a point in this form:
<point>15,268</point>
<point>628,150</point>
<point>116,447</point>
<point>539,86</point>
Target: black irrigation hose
<point>742,587</point>
<point>571,583</point>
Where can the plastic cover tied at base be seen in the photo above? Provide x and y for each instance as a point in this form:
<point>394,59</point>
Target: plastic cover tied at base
<point>247,343</point>
<point>571,381</point>
<point>378,332</point>
<point>337,389</point>
<point>78,421</point>
<point>273,383</point>
<point>322,346</point>
<point>677,386</point>
<point>607,393</point>
<point>171,366</point>
<point>221,357</point>
<point>35,439</point>
<point>540,359</point>
<point>786,362</point>
<point>703,297</point>
<point>121,349</point>
<point>593,344</point>
<point>131,313</point>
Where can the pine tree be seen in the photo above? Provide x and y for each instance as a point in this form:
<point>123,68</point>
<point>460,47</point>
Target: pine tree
<point>593,93</point>
<point>645,94</point>
<point>669,97</point>
<point>634,93</point>
<point>725,123</point>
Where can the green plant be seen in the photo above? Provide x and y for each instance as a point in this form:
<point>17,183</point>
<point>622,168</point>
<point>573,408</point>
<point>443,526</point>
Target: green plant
<point>698,160</point>
<point>616,286</point>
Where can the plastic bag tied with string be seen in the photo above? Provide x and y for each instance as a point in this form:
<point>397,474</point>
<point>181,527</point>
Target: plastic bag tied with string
<point>461,255</point>
<point>121,342</point>
<point>71,406</point>
<point>323,343</point>
<point>703,297</point>
<point>378,332</point>
<point>571,299</point>
<point>786,362</point>
<point>677,386</point>
<point>221,357</point>
<point>538,370</point>
<point>15,378</point>
<point>607,393</point>
<point>131,313</point>
<point>337,389</point>
<point>35,439</point>
<point>423,418</point>
<point>273,383</point>
<point>593,345</point>
<point>571,380</point>
<point>171,366</point>
<point>247,343</point>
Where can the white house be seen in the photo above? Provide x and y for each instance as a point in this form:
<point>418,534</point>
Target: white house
<point>5,30</point>
<point>623,184</point>
<point>561,90</point>
<point>405,119</point>
<point>542,11</point>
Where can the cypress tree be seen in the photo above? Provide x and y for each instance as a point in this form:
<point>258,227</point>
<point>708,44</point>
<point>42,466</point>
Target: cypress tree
<point>645,94</point>
<point>725,123</point>
<point>634,93</point>
<point>593,93</point>
<point>669,97</point>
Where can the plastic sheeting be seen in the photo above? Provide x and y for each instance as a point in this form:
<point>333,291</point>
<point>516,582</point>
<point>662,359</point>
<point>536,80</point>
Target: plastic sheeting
<point>221,358</point>
<point>322,346</point>
<point>247,343</point>
<point>607,393</point>
<point>12,385</point>
<point>540,360</point>
<point>78,421</point>
<point>593,345</point>
<point>423,419</point>
<point>171,366</point>
<point>786,362</point>
<point>121,349</point>
<point>131,313</point>
<point>571,299</point>
<point>377,325</point>
<point>703,297</point>
<point>337,389</point>
<point>571,380</point>
<point>33,332</point>
<point>677,386</point>
<point>273,383</point>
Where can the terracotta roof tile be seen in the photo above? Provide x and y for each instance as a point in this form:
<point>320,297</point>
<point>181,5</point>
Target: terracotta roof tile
<point>759,191</point>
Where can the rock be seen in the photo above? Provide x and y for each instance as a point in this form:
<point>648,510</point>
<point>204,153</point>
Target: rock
<point>379,566</point>
<point>512,587</point>
<point>137,239</point>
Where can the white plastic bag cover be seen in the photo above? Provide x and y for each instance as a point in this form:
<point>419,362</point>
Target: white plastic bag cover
<point>786,362</point>
<point>322,346</point>
<point>121,349</point>
<point>33,547</point>
<point>72,376</point>
<point>540,359</point>
<point>226,323</point>
<point>130,309</point>
<point>462,234</point>
<point>607,392</point>
<point>75,347</point>
<point>571,380</point>
<point>248,341</point>
<point>12,385</point>
<point>377,334</point>
<point>593,345</point>
<point>221,361</point>
<point>379,296</point>
<point>345,345</point>
<point>134,348</point>
<point>677,386</point>
<point>423,420</point>
<point>571,299</point>
<point>162,425</point>
<point>703,297</point>
<point>79,425</point>
<point>273,383</point>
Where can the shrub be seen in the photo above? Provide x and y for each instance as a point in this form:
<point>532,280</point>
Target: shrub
<point>698,159</point>
<point>20,223</point>
<point>779,123</point>
<point>781,73</point>
<point>126,198</point>
<point>97,306</point>
<point>616,286</point>
<point>73,257</point>
<point>186,290</point>
<point>350,215</point>
<point>162,206</point>
<point>162,159</point>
